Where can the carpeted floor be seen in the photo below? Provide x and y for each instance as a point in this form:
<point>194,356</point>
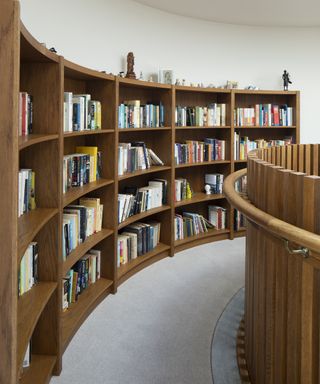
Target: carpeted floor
<point>158,328</point>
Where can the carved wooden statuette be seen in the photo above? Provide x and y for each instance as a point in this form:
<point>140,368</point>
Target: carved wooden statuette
<point>130,63</point>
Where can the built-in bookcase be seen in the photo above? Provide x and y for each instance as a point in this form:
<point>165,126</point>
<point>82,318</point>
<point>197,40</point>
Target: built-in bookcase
<point>37,315</point>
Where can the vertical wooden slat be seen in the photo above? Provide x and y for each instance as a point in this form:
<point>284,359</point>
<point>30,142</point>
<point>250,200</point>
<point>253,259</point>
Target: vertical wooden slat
<point>283,156</point>
<point>295,157</point>
<point>307,159</point>
<point>289,157</point>
<point>273,155</point>
<point>315,159</point>
<point>301,163</point>
<point>9,85</point>
<point>278,155</point>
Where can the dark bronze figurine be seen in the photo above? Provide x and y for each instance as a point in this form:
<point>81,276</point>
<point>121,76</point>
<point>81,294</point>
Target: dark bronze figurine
<point>286,80</point>
<point>130,63</point>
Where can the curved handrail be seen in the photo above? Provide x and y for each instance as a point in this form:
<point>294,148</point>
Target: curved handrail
<point>277,227</point>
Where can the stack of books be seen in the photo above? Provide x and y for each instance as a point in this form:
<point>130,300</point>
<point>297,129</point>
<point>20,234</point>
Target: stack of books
<point>25,114</point>
<point>136,200</point>
<point>84,273</point>
<point>190,224</point>
<point>215,181</point>
<point>28,272</point>
<point>217,216</point>
<point>197,151</point>
<point>81,113</point>
<point>136,240</point>
<point>132,114</point>
<point>213,115</point>
<point>82,167</point>
<point>79,222</point>
<point>239,220</point>
<point>182,190</point>
<point>264,115</point>
<point>26,191</point>
<point>135,156</point>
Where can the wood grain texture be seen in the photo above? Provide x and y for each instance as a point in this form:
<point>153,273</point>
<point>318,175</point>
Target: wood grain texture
<point>40,370</point>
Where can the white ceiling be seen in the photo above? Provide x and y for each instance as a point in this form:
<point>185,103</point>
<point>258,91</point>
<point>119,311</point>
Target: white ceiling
<point>281,13</point>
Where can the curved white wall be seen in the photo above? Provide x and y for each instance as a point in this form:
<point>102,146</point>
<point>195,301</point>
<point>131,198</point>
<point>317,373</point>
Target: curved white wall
<point>99,33</point>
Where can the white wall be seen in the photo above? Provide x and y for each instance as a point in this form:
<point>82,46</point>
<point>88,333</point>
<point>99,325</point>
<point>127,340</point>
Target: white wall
<point>99,33</point>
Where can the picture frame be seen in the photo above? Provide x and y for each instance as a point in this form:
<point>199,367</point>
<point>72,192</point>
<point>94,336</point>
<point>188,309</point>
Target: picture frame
<point>166,76</point>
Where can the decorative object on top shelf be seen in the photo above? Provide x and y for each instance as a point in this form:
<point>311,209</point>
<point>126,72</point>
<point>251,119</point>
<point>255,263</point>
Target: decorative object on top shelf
<point>286,80</point>
<point>207,188</point>
<point>121,74</point>
<point>183,81</point>
<point>150,79</point>
<point>166,76</point>
<point>232,84</point>
<point>141,76</point>
<point>130,63</point>
<point>178,82</point>
<point>52,49</point>
<point>251,87</point>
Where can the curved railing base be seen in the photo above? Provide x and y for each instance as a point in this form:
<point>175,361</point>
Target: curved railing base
<point>241,354</point>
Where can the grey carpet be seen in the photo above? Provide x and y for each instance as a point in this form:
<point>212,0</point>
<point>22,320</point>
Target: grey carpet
<point>224,357</point>
<point>158,328</point>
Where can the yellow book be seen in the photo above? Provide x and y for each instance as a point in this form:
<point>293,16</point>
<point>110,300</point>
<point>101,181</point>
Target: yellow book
<point>92,151</point>
<point>98,121</point>
<point>93,203</point>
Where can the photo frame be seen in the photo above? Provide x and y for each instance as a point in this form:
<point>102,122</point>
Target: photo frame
<point>166,76</point>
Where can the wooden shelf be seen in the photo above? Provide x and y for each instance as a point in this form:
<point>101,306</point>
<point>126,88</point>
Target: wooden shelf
<point>143,84</point>
<point>83,248</point>
<point>203,163</point>
<point>240,233</point>
<point>240,161</point>
<point>88,132</point>
<point>77,192</point>
<point>198,197</point>
<point>78,72</point>
<point>135,263</point>
<point>74,316</point>
<point>34,138</point>
<point>29,224</point>
<point>201,127</point>
<point>187,88</point>
<point>123,130</point>
<point>40,370</point>
<point>211,232</point>
<point>264,126</point>
<point>143,215</point>
<point>155,168</point>
<point>30,307</point>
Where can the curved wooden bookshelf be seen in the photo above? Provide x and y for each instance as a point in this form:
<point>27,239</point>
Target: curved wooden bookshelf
<point>40,370</point>
<point>83,248</point>
<point>202,238</point>
<point>133,266</point>
<point>199,197</point>
<point>77,192</point>
<point>30,307</point>
<point>74,316</point>
<point>29,224</point>
<point>143,129</point>
<point>88,132</point>
<point>154,168</point>
<point>143,215</point>
<point>34,138</point>
<point>203,163</point>
<point>77,71</point>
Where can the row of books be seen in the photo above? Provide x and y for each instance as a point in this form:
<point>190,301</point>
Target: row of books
<point>243,145</point>
<point>81,113</point>
<point>135,156</point>
<point>82,167</point>
<point>25,119</point>
<point>212,115</point>
<point>85,272</point>
<point>182,190</point>
<point>238,221</point>
<point>240,185</point>
<point>131,114</point>
<point>194,151</point>
<point>28,271</point>
<point>264,115</point>
<point>26,191</point>
<point>79,222</point>
<point>136,240</point>
<point>136,200</point>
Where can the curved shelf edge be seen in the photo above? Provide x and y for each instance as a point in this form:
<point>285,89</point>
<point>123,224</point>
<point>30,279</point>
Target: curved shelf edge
<point>123,130</point>
<point>75,193</point>
<point>30,307</point>
<point>143,215</point>
<point>199,197</point>
<point>77,71</point>
<point>89,299</point>
<point>207,237</point>
<point>66,135</point>
<point>141,83</point>
<point>29,224</point>
<point>35,138</point>
<point>81,250</point>
<point>153,169</point>
<point>184,165</point>
<point>195,127</point>
<point>129,269</point>
<point>40,370</point>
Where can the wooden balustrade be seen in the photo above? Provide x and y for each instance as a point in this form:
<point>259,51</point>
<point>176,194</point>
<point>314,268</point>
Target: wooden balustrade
<point>282,281</point>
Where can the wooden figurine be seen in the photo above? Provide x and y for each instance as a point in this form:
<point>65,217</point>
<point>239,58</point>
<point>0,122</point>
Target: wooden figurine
<point>130,63</point>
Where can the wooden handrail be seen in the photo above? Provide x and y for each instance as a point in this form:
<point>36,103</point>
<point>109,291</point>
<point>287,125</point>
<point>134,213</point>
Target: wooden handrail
<point>277,227</point>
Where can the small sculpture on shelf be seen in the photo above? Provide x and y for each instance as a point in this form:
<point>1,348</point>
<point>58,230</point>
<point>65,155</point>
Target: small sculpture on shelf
<point>178,82</point>
<point>141,76</point>
<point>286,80</point>
<point>207,188</point>
<point>121,74</point>
<point>130,63</point>
<point>52,49</point>
<point>183,81</point>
